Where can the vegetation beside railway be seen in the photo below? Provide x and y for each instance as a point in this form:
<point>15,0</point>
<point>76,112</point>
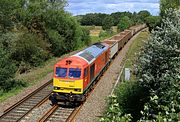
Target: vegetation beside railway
<point>31,34</point>
<point>125,101</point>
<point>153,95</point>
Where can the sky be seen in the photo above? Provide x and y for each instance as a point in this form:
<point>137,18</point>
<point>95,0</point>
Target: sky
<point>81,7</point>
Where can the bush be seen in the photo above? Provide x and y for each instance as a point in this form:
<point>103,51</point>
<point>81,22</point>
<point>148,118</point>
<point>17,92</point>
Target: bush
<point>105,33</point>
<point>7,72</point>
<point>131,98</point>
<point>30,49</point>
<point>59,28</point>
<point>114,113</point>
<point>85,37</point>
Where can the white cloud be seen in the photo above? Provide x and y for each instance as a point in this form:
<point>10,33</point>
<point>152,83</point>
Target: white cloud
<point>108,6</point>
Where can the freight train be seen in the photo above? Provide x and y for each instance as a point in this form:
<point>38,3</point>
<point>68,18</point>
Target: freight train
<point>75,75</point>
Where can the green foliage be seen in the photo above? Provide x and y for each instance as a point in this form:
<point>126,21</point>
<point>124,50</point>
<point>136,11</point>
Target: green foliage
<point>7,14</point>
<point>25,48</point>
<point>98,18</point>
<point>131,98</point>
<point>107,23</point>
<point>114,113</point>
<point>166,4</point>
<point>54,25</point>
<point>152,22</point>
<point>93,19</point>
<point>7,72</point>
<point>159,71</point>
<point>105,33</point>
<point>30,49</point>
<point>143,14</point>
<point>64,33</point>
<point>117,15</point>
<point>85,37</point>
<point>124,23</point>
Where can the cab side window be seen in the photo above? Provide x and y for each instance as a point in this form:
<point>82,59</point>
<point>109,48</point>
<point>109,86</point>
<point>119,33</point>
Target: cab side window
<point>85,72</point>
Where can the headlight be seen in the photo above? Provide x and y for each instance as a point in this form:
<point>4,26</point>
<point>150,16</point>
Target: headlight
<point>78,90</point>
<point>56,88</point>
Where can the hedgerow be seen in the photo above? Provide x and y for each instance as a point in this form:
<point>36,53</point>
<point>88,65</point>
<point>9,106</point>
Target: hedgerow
<point>157,87</point>
<point>159,71</point>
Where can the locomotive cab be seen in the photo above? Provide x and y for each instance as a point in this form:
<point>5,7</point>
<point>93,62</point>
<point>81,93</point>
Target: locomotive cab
<point>68,79</point>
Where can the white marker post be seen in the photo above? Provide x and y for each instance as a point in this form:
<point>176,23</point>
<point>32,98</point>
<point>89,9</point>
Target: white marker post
<point>127,73</point>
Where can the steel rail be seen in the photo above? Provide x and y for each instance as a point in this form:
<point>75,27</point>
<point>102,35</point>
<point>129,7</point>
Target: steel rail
<point>20,109</point>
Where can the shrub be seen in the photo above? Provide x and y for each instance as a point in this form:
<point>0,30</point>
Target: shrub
<point>114,113</point>
<point>131,98</point>
<point>30,49</point>
<point>7,72</point>
<point>105,33</point>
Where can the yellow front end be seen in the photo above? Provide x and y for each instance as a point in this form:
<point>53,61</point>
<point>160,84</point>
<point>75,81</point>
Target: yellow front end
<point>68,86</point>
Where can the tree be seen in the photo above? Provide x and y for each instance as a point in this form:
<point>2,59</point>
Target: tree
<point>152,22</point>
<point>116,17</point>
<point>93,19</point>
<point>143,14</point>
<point>7,13</point>
<point>107,23</point>
<point>124,23</point>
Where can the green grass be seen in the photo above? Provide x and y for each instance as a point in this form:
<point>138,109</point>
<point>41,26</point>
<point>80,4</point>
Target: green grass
<point>6,95</point>
<point>32,77</point>
<point>135,48</point>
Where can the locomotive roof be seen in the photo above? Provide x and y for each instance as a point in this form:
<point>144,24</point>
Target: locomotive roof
<point>89,54</point>
<point>74,61</point>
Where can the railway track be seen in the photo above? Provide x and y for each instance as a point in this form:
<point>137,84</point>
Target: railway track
<point>19,110</point>
<point>65,113</point>
<point>59,114</point>
<point>62,113</point>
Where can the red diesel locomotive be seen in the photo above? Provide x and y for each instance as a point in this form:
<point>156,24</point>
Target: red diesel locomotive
<point>73,76</point>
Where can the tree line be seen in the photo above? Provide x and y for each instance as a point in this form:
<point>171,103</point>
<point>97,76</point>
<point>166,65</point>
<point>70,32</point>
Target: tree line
<point>121,19</point>
<point>33,31</point>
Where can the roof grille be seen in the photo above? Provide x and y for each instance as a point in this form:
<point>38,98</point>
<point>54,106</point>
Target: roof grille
<point>87,55</point>
<point>99,45</point>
